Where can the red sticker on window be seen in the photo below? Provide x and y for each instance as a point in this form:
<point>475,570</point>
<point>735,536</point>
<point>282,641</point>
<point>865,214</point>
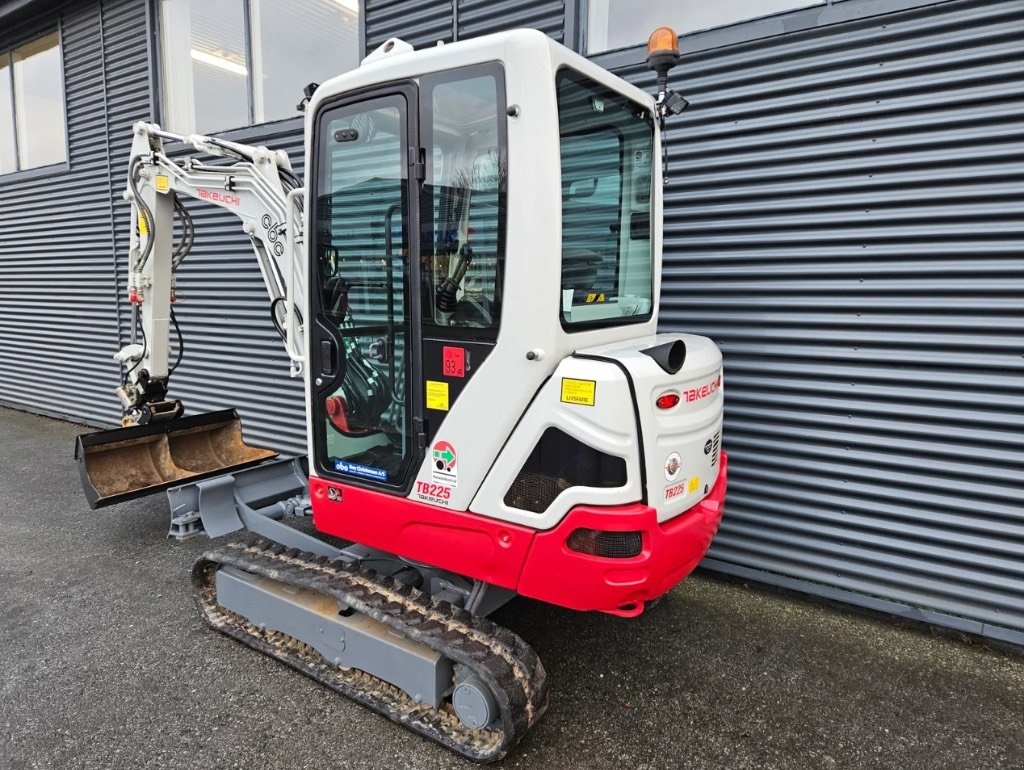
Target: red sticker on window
<point>453,362</point>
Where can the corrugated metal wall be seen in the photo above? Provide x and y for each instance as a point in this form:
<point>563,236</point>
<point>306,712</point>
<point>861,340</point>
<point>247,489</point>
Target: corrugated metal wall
<point>129,98</point>
<point>482,17</point>
<point>424,22</point>
<point>58,304</point>
<point>418,22</point>
<point>846,218</point>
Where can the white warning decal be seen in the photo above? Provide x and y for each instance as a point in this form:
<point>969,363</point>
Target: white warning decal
<point>443,461</point>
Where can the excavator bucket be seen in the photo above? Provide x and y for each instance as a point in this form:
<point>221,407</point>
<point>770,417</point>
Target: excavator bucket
<point>124,463</point>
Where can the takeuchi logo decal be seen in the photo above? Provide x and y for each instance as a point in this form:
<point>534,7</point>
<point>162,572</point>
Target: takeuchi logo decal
<point>216,196</point>
<point>702,391</point>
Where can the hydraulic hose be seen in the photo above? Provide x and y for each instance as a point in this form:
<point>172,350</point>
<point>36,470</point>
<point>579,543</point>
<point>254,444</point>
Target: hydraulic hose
<point>144,211</point>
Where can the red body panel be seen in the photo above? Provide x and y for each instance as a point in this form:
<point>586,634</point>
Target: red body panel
<point>471,545</point>
<point>536,564</point>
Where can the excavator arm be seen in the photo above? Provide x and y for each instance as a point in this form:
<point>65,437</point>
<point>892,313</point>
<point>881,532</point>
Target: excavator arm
<point>259,188</point>
<point>157,447</point>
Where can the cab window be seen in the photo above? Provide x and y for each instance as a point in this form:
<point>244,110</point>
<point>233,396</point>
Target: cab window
<point>463,203</point>
<point>606,147</point>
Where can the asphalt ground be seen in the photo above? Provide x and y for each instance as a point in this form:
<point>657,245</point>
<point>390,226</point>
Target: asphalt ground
<point>106,664</point>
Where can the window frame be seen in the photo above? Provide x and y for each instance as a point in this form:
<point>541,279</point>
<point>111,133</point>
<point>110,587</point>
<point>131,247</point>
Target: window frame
<point>35,172</point>
<point>408,90</point>
<point>576,327</point>
<point>251,130</point>
<point>584,17</point>
<point>802,20</point>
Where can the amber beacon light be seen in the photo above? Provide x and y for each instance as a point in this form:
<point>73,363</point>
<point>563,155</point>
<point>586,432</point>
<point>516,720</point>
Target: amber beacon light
<point>662,49</point>
<point>663,55</point>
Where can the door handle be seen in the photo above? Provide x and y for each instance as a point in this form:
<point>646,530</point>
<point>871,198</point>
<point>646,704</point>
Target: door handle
<point>328,358</point>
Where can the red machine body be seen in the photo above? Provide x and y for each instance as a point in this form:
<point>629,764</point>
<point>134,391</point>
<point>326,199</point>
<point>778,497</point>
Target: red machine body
<point>537,564</point>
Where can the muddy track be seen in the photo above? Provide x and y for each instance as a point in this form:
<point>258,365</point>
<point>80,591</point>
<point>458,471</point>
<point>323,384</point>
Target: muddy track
<point>498,656</point>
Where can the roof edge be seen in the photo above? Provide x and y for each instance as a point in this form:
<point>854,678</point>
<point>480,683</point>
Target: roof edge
<point>15,11</point>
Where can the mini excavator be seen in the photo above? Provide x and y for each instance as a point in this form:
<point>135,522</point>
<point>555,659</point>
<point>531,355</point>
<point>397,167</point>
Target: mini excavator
<point>467,283</point>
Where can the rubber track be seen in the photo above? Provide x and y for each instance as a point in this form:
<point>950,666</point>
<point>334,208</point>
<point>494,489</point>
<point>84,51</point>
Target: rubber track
<point>501,658</point>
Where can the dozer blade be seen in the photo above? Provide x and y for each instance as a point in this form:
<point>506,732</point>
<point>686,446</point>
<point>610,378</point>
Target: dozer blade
<point>124,463</point>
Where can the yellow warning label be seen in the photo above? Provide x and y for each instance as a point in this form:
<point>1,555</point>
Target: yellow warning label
<point>591,298</point>
<point>143,230</point>
<point>162,183</point>
<point>580,392</point>
<point>437,395</point>
<point>692,485</point>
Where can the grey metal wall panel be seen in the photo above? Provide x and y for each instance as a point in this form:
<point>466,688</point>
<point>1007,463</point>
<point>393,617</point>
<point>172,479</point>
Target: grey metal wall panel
<point>232,355</point>
<point>128,99</point>
<point>844,217</point>
<point>482,17</point>
<point>58,306</point>
<point>418,22</point>
<point>63,257</point>
<point>424,23</point>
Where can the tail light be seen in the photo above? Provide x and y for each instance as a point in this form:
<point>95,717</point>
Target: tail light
<point>667,400</point>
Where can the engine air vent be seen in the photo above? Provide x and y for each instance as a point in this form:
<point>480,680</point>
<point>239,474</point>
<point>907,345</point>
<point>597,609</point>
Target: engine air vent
<point>559,462</point>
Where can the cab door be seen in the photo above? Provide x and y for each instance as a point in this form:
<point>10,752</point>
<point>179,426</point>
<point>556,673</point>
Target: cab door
<point>364,289</point>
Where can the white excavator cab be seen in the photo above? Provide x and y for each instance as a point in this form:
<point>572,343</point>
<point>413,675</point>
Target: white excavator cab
<point>485,202</point>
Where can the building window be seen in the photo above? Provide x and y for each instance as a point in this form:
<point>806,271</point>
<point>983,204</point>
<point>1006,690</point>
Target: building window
<point>233,63</point>
<point>615,24</point>
<point>32,126</point>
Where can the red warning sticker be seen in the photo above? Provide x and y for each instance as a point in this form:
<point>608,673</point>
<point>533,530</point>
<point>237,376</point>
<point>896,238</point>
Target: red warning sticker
<point>453,361</point>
